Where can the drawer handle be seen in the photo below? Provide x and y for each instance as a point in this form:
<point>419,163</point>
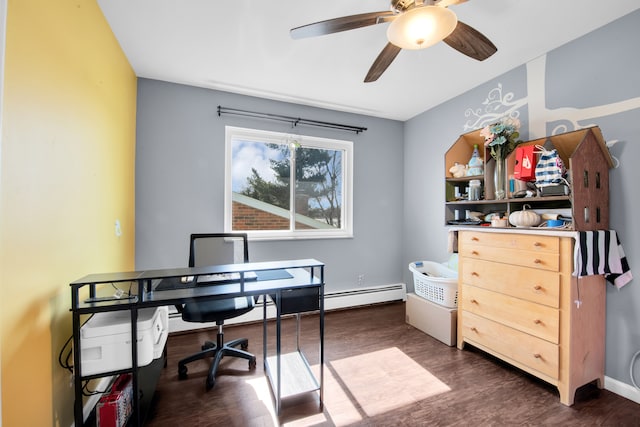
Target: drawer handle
<point>537,321</point>
<point>537,244</point>
<point>474,252</point>
<point>537,288</point>
<point>473,273</point>
<point>537,261</point>
<point>473,301</point>
<point>475,239</point>
<point>473,329</point>
<point>537,355</point>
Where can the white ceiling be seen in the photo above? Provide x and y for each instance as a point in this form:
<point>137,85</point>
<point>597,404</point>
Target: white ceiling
<point>243,46</point>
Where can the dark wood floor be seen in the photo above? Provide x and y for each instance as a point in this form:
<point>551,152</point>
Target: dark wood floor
<point>379,371</point>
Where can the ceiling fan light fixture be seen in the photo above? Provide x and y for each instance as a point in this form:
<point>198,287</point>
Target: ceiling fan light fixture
<point>421,27</point>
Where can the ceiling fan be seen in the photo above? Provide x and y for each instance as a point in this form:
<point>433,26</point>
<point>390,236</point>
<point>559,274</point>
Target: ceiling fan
<point>414,24</point>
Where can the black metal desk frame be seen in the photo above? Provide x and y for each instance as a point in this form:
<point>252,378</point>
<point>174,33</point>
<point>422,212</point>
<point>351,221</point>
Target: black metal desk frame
<point>307,275</point>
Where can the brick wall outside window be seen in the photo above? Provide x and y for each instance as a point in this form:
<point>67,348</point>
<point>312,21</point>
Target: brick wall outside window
<point>249,218</point>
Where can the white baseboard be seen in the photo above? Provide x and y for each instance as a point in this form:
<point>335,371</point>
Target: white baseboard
<point>365,296</point>
<point>332,301</point>
<point>623,389</point>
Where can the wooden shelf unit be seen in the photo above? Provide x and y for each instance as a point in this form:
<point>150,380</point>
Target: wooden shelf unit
<point>585,156</point>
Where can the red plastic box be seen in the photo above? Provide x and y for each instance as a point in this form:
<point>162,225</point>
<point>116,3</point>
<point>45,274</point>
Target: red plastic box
<point>525,167</point>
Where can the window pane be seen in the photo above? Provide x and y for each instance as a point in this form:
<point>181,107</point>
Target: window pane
<point>288,186</point>
<point>261,193</point>
<point>318,188</point>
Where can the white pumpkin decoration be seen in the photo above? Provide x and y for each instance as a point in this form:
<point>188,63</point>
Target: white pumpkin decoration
<point>524,218</point>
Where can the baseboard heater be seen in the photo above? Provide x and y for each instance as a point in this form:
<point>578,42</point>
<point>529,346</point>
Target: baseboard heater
<point>332,301</point>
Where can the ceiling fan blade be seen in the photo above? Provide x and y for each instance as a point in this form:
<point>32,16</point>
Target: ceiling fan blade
<point>382,62</point>
<point>336,25</point>
<point>470,42</point>
<point>447,3</point>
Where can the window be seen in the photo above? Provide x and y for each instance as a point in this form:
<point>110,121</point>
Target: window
<point>287,186</point>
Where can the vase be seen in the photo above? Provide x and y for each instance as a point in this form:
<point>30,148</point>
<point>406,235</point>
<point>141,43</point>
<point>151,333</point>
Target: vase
<point>489,184</point>
<point>500,179</point>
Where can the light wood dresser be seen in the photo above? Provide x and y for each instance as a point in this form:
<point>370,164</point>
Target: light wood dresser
<point>518,300</point>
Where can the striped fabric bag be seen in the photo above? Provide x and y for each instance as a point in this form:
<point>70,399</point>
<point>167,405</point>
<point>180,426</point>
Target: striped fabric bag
<point>550,168</point>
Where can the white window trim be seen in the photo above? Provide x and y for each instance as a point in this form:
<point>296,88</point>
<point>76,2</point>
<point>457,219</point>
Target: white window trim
<point>307,141</point>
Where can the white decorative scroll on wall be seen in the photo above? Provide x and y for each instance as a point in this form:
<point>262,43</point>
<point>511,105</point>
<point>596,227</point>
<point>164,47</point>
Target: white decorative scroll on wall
<point>498,104</point>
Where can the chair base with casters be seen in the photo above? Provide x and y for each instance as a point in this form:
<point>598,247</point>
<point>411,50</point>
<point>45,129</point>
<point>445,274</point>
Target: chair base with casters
<point>219,349</point>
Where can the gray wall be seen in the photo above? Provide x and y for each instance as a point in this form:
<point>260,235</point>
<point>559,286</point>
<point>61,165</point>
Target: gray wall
<point>593,80</point>
<point>180,182</point>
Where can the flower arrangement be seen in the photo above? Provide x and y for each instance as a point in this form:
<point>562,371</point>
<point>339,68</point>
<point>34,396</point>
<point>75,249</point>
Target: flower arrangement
<point>502,137</point>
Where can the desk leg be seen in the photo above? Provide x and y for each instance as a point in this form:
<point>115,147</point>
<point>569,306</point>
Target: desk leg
<point>134,367</point>
<point>298,332</point>
<point>264,333</point>
<point>278,353</point>
<point>322,339</point>
<point>77,372</point>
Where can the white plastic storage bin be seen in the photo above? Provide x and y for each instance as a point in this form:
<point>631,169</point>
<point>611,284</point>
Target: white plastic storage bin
<point>105,339</point>
<point>435,282</point>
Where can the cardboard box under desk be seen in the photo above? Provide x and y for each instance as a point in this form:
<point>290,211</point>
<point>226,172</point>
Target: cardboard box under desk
<point>434,319</point>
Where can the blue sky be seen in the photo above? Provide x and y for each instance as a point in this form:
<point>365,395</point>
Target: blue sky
<point>247,155</point>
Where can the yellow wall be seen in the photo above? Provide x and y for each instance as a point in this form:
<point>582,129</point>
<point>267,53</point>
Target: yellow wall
<point>68,153</point>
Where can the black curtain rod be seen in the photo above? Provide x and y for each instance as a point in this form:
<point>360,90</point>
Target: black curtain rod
<point>295,121</point>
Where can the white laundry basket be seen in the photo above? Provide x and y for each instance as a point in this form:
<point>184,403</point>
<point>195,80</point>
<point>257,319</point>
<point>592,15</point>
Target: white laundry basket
<point>435,282</point>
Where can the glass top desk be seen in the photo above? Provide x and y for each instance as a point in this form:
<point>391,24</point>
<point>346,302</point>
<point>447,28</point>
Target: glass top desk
<point>300,290</point>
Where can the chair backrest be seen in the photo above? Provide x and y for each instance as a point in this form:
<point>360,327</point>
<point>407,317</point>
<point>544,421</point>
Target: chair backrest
<point>218,248</point>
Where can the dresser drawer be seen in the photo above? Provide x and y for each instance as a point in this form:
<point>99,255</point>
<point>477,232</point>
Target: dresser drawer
<point>527,242</point>
<point>535,319</point>
<point>539,286</point>
<point>530,351</point>
<point>542,260</point>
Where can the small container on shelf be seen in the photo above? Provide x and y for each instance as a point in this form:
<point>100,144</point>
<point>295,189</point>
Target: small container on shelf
<point>499,222</point>
<point>475,189</point>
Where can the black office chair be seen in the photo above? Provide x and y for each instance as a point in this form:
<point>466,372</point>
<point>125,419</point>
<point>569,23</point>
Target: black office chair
<point>213,249</point>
